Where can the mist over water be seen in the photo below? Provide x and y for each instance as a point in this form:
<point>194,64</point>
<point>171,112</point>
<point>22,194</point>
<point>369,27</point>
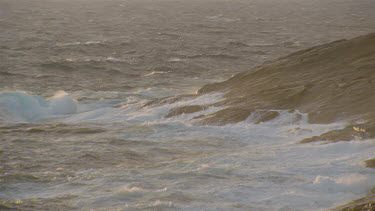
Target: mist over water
<point>88,117</point>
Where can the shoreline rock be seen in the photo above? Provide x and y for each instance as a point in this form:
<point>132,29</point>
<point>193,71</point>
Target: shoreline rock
<point>330,82</point>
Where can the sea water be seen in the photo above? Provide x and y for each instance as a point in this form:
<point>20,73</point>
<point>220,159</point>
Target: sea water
<point>78,131</point>
<point>103,156</point>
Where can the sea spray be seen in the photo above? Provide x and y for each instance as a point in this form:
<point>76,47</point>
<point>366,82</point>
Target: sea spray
<point>62,104</point>
<point>24,107</point>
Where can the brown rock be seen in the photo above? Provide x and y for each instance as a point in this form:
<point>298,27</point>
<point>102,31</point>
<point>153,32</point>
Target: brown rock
<point>329,82</point>
<point>184,110</point>
<point>227,116</point>
<point>264,116</point>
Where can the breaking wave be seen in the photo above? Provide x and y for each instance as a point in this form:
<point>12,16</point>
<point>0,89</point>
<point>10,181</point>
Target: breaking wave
<point>21,106</point>
<point>243,134</point>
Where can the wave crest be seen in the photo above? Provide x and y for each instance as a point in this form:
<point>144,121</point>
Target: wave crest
<point>23,107</point>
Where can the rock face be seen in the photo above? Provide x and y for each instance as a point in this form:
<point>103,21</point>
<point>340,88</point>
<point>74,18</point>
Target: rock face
<point>350,132</point>
<point>366,203</point>
<point>330,82</point>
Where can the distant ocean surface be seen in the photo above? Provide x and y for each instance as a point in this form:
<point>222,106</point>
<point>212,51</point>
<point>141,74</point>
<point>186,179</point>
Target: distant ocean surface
<point>82,126</point>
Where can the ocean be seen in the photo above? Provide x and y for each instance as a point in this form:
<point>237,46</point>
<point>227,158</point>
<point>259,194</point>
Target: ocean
<point>100,107</point>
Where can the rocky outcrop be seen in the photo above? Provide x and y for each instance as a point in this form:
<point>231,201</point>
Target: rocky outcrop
<point>331,82</point>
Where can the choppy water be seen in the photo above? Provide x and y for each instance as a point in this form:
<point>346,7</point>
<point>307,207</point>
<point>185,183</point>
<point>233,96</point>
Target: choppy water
<point>101,145</point>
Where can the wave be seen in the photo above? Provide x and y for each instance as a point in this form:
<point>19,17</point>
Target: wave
<point>66,61</point>
<point>154,73</point>
<point>23,107</point>
<point>87,43</point>
<point>260,44</point>
<point>214,56</point>
<point>171,35</point>
<point>80,64</point>
<point>220,17</point>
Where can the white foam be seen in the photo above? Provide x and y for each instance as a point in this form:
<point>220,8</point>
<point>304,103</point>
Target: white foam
<point>260,164</point>
<point>176,59</point>
<point>254,44</point>
<point>134,110</point>
<point>80,43</point>
<point>21,106</point>
<point>345,180</point>
<point>62,104</point>
<point>153,73</point>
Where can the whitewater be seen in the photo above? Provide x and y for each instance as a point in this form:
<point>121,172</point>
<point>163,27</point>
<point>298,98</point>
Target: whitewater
<point>104,154</point>
<point>90,94</point>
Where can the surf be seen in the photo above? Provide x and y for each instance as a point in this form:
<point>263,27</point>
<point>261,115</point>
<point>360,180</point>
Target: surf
<point>18,106</point>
